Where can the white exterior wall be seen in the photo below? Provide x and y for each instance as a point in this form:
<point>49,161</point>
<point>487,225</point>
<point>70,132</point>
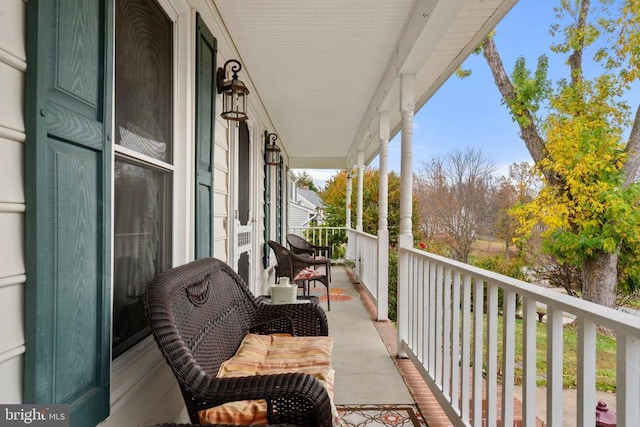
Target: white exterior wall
<point>221,182</point>
<point>143,390</point>
<point>12,198</point>
<point>298,216</point>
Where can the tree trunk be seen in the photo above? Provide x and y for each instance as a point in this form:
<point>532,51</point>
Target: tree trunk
<point>528,131</point>
<point>599,271</point>
<point>599,278</point>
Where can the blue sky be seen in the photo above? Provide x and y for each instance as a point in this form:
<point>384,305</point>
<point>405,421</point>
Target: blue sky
<point>468,112</point>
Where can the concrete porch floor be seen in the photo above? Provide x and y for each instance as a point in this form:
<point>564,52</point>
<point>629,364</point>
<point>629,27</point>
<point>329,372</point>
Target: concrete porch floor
<point>364,356</point>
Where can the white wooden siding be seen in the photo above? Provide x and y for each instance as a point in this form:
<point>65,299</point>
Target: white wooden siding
<point>12,89</point>
<point>12,20</point>
<point>143,390</point>
<point>11,172</point>
<point>12,207</point>
<point>12,232</point>
<point>221,182</point>
<point>11,375</point>
<point>298,216</point>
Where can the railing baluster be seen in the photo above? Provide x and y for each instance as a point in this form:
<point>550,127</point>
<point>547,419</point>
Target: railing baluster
<point>466,349</point>
<point>554,367</point>
<point>508,354</point>
<point>412,333</point>
<point>478,309</point>
<point>432,318</point>
<point>419,304</point>
<point>439,318</point>
<point>628,380</point>
<point>586,392</point>
<point>529,368</point>
<point>492,353</point>
<point>417,298</point>
<point>407,306</point>
<point>423,306</point>
<point>455,341</point>
<point>446,332</point>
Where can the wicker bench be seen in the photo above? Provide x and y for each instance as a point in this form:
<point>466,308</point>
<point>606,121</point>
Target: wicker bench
<point>199,315</point>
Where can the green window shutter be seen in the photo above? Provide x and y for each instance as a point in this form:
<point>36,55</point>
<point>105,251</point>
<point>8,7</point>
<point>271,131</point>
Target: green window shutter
<point>279,202</point>
<point>205,142</point>
<point>68,198</point>
<point>267,208</point>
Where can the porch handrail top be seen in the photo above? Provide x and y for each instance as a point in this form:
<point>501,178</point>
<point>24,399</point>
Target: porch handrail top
<point>362,233</point>
<point>617,320</point>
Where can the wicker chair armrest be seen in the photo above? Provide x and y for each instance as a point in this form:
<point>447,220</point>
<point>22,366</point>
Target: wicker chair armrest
<point>292,398</point>
<point>273,325</point>
<point>321,248</point>
<point>299,262</point>
<point>308,320</point>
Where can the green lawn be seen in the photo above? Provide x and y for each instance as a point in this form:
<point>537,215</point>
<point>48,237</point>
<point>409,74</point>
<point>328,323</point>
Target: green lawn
<point>605,356</point>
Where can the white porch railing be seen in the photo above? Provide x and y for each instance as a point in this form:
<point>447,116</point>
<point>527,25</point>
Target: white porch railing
<point>363,249</point>
<point>325,236</point>
<point>452,314</point>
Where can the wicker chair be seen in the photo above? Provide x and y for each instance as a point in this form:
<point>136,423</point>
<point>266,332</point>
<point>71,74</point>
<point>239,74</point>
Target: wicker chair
<point>301,246</point>
<point>298,268</point>
<point>200,312</point>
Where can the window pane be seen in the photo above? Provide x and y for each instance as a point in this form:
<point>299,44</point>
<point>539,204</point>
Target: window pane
<point>143,78</point>
<point>142,245</point>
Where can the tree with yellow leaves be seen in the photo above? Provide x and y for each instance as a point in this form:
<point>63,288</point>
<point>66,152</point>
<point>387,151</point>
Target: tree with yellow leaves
<point>589,203</point>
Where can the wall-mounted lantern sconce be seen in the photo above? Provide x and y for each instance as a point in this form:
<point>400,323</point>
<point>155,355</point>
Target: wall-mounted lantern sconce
<point>271,150</point>
<point>234,92</point>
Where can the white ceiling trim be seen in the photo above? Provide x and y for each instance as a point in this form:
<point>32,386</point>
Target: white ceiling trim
<point>324,70</point>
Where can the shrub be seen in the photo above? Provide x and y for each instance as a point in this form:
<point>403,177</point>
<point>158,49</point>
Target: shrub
<point>393,284</point>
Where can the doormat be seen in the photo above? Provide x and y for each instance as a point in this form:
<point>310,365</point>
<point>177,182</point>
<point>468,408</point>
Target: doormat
<point>381,415</point>
<point>336,294</point>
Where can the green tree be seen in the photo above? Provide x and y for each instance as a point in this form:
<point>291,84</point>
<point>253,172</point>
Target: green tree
<point>589,201</point>
<point>304,180</point>
<point>334,200</point>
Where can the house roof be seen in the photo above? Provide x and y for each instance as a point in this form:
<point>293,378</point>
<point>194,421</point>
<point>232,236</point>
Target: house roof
<point>324,69</point>
<point>311,196</point>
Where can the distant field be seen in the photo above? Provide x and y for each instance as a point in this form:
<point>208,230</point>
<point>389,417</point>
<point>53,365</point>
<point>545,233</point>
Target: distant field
<point>484,248</point>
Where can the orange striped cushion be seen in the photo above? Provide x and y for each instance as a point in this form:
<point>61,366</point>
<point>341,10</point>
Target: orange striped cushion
<point>271,354</point>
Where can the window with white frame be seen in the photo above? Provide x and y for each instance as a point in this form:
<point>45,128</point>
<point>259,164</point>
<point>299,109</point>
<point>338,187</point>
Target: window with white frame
<point>143,164</point>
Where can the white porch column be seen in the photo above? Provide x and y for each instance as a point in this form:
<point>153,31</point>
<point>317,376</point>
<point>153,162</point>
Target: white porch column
<point>347,223</point>
<point>383,213</point>
<point>360,189</point>
<point>405,239</point>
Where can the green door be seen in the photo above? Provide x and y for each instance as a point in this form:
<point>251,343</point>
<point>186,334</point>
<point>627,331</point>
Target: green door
<point>205,126</point>
<point>68,203</point>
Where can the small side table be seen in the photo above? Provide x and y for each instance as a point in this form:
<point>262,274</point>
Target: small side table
<point>306,299</point>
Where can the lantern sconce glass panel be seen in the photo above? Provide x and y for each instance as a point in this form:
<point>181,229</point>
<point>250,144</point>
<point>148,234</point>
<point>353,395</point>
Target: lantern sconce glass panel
<point>234,92</point>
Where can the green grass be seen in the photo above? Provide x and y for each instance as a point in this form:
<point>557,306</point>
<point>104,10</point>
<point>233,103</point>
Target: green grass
<point>605,356</point>
<point>632,302</point>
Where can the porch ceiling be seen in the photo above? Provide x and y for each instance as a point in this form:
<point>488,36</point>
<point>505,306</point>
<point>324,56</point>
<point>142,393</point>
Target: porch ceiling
<point>323,69</point>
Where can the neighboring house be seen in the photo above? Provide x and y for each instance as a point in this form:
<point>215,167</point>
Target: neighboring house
<point>305,209</point>
<point>116,163</point>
